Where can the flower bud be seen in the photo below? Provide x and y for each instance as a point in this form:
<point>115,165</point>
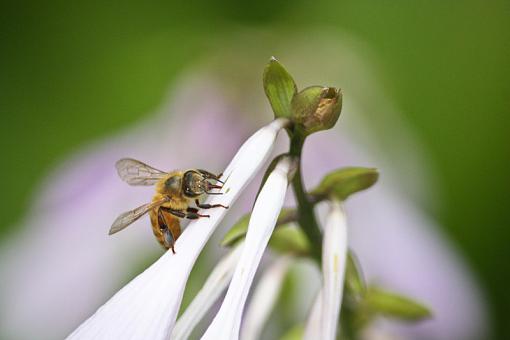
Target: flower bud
<point>279,88</point>
<point>317,108</point>
<point>342,183</point>
<point>394,305</point>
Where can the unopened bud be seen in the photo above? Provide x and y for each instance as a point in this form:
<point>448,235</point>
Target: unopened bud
<point>279,88</point>
<point>317,108</point>
<point>342,183</point>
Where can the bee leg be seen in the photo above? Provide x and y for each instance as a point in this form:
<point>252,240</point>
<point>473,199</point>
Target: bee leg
<point>168,238</point>
<point>209,206</point>
<point>177,213</point>
<point>194,216</point>
<point>189,214</point>
<point>192,213</point>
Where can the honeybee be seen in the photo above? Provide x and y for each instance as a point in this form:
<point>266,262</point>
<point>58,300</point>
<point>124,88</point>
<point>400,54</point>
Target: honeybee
<point>175,191</point>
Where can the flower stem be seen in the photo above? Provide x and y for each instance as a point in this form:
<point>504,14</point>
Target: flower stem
<point>306,216</point>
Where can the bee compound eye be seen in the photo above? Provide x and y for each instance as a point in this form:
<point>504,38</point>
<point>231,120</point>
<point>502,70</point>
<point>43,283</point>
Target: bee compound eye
<point>192,184</point>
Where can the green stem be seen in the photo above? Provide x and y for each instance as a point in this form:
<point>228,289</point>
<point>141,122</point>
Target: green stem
<point>306,216</point>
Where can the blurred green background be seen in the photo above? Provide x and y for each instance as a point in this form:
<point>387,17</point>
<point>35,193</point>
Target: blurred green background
<point>74,71</point>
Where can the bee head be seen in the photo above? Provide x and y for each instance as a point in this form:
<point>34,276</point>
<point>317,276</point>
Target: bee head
<point>195,183</point>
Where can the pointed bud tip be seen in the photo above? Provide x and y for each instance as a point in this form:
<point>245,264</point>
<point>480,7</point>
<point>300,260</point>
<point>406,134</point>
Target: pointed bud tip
<point>279,87</point>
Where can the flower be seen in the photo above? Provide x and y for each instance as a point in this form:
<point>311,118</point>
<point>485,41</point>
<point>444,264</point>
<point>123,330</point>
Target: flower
<point>62,243</point>
<point>215,284</point>
<point>84,190</point>
<point>147,307</point>
<point>323,319</point>
<point>227,323</point>
<point>264,297</point>
<point>334,252</point>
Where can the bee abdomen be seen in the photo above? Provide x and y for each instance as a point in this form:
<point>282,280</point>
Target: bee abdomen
<point>165,226</point>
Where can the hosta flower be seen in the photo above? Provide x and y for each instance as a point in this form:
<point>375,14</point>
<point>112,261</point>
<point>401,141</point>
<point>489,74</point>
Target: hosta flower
<point>227,323</point>
<point>322,322</point>
<point>77,267</point>
<point>147,307</point>
<point>334,253</point>
<point>215,284</point>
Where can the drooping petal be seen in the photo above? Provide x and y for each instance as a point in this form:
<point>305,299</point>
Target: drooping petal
<point>147,307</point>
<point>264,297</point>
<point>215,284</point>
<point>334,253</point>
<point>227,322</point>
<point>323,318</point>
<point>314,323</point>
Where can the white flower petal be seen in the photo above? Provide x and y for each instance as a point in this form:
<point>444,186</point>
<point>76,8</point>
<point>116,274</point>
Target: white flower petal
<point>227,322</point>
<point>215,284</point>
<point>313,323</point>
<point>334,252</point>
<point>147,307</point>
<point>263,299</point>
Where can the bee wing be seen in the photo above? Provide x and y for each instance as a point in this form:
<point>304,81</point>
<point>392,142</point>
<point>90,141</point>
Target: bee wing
<point>137,173</point>
<point>129,217</point>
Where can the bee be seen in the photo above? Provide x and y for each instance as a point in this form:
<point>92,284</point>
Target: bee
<point>175,191</point>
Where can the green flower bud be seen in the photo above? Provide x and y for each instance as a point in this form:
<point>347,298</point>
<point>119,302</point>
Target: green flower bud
<point>279,88</point>
<point>289,240</point>
<point>344,182</point>
<point>394,305</point>
<point>317,108</point>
